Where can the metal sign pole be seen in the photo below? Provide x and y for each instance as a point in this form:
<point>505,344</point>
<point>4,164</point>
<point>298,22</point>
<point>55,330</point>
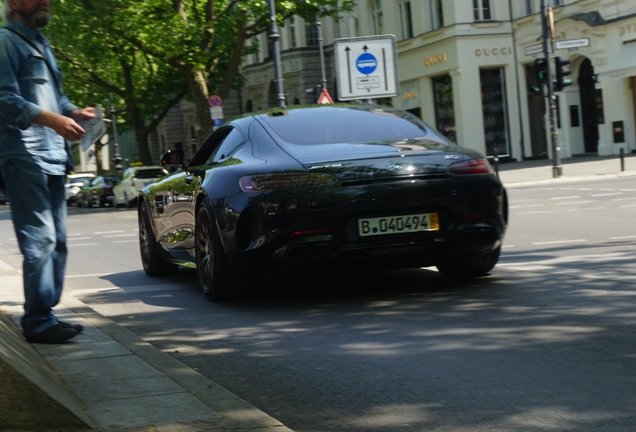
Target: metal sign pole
<point>275,37</point>
<point>557,169</point>
<point>322,57</point>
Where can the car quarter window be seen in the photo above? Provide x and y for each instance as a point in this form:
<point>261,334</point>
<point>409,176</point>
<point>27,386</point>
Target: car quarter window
<point>228,146</point>
<point>208,149</point>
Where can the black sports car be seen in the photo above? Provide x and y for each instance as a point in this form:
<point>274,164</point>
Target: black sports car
<point>337,186</point>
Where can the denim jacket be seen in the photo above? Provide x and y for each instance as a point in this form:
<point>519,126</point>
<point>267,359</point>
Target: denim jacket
<point>26,88</point>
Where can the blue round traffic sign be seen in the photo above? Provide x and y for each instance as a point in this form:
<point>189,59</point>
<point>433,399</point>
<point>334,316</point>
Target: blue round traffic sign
<point>366,63</point>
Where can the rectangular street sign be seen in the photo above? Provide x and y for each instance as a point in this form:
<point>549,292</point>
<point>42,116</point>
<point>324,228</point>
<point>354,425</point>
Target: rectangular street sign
<point>366,67</point>
<point>572,43</point>
<point>534,49</point>
<point>216,112</point>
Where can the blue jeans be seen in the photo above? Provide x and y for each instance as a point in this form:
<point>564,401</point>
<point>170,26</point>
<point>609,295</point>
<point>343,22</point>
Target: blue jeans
<point>38,210</point>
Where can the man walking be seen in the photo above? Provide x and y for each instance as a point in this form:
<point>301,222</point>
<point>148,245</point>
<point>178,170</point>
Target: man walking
<point>36,119</point>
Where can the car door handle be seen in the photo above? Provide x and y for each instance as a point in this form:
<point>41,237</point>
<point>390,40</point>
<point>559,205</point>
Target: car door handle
<point>189,179</point>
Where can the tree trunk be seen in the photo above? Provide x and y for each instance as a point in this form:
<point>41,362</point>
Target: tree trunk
<point>199,90</point>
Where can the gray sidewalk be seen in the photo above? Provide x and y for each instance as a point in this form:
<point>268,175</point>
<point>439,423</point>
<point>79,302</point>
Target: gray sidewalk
<point>108,379</point>
<point>516,174</point>
<point>111,380</point>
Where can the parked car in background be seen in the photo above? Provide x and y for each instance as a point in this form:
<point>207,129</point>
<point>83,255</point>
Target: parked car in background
<point>133,181</point>
<point>99,192</point>
<point>74,183</point>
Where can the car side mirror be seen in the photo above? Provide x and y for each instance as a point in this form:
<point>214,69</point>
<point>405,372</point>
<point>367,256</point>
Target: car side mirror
<point>173,158</point>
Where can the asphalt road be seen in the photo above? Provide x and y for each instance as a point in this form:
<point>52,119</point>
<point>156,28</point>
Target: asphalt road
<point>546,342</point>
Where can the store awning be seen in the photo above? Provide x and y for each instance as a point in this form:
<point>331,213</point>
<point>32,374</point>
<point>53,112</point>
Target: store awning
<point>622,64</point>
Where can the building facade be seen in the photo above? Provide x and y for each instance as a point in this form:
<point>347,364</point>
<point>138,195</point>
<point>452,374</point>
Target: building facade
<point>466,66</point>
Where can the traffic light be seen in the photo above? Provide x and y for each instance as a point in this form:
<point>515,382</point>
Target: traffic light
<point>540,76</point>
<point>561,82</point>
<point>541,70</point>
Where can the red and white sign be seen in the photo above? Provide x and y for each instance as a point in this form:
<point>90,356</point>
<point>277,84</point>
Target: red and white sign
<point>324,98</point>
<point>215,101</point>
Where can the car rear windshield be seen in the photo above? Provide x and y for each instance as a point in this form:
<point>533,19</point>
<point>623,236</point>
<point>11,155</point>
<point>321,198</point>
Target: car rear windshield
<point>331,125</point>
<point>149,173</point>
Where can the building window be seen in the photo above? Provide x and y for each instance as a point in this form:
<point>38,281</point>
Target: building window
<point>292,33</point>
<point>257,50</point>
<point>407,19</point>
<point>444,108</point>
<point>311,32</point>
<point>437,14</point>
<point>378,19</point>
<point>557,2</point>
<point>529,7</point>
<point>495,111</point>
<point>481,9</point>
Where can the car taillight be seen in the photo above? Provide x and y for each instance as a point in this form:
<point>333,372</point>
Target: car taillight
<point>476,166</point>
<point>258,183</point>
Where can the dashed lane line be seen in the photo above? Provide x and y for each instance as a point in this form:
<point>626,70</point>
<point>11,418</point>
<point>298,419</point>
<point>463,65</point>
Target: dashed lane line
<point>559,242</point>
<point>607,194</point>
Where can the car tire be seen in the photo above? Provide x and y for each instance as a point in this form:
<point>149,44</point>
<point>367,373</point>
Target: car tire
<point>215,276</point>
<point>127,202</point>
<point>471,265</point>
<point>153,264</point>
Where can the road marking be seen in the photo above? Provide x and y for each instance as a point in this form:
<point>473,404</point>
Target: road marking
<point>126,241</point>
<point>535,212</point>
<point>630,205</point>
<point>83,244</point>
<point>586,209</point>
<point>90,275</point>
<point>523,200</point>
<point>607,194</point>
<point>623,237</point>
<point>135,289</point>
<point>119,235</point>
<point>72,235</point>
<point>108,232</point>
<point>573,202</point>
<point>507,246</point>
<point>624,199</point>
<point>528,205</point>
<point>80,238</point>
<point>567,197</point>
<point>560,242</point>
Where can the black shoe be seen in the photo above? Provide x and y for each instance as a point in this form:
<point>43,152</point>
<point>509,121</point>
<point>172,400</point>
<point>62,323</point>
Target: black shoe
<point>77,327</point>
<point>54,335</point>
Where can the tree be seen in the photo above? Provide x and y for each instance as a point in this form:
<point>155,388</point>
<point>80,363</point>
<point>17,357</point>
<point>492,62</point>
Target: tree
<point>97,60</point>
<point>206,39</point>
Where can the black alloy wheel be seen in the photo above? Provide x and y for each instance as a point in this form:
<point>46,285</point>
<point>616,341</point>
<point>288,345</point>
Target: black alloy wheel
<point>215,277</point>
<point>151,260</point>
<point>470,266</point>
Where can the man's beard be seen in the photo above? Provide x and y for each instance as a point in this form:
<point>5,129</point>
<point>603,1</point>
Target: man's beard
<point>39,16</point>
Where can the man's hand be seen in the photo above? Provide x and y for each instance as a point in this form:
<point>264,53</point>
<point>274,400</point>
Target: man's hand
<point>66,127</point>
<point>83,114</point>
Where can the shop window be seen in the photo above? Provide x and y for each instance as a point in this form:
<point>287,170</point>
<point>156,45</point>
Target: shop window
<point>378,18</point>
<point>493,101</point>
<point>444,107</point>
<point>482,10</point>
<point>437,14</point>
<point>407,19</point>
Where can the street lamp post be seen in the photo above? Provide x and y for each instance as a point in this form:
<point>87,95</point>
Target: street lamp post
<point>113,119</point>
<point>274,36</point>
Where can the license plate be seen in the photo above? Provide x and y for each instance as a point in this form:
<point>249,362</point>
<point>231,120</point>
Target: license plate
<point>398,224</point>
